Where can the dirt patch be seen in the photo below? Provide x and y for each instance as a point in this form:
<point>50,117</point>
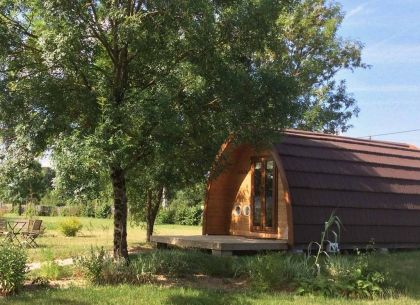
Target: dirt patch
<point>203,282</point>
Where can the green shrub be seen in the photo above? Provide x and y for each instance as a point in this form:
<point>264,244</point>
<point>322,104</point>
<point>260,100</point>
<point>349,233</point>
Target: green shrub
<point>338,275</point>
<point>88,209</point>
<point>277,271</point>
<point>71,210</point>
<point>180,214</point>
<point>188,215</point>
<point>30,210</point>
<point>100,269</point>
<point>166,216</point>
<point>49,269</point>
<point>180,263</point>
<point>12,268</point>
<point>70,227</point>
<point>94,264</point>
<point>350,277</point>
<point>103,209</point>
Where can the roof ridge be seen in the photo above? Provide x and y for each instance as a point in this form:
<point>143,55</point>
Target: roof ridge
<point>340,138</point>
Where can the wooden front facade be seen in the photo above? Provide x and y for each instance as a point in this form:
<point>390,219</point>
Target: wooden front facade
<point>373,186</point>
<point>237,204</point>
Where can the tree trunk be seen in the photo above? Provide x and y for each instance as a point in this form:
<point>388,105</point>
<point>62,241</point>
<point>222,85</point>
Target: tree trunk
<point>153,204</point>
<point>120,213</point>
<point>20,209</point>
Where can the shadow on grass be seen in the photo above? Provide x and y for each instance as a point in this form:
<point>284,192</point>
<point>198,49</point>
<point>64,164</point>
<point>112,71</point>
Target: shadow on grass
<point>35,299</point>
<point>206,297</point>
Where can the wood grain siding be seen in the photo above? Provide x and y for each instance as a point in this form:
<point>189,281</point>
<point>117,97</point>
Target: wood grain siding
<point>232,188</point>
<point>373,186</point>
<point>222,191</point>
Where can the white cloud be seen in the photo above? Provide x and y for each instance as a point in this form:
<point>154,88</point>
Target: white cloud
<point>386,88</point>
<point>392,54</point>
<point>357,10</point>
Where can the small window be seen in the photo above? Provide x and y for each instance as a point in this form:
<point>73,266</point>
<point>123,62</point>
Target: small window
<point>246,210</point>
<point>237,210</point>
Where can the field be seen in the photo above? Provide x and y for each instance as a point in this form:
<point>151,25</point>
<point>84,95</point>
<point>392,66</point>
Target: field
<point>95,232</point>
<point>404,266</point>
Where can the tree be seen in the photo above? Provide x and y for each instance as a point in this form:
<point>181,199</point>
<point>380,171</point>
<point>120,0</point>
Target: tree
<point>123,76</point>
<point>22,179</point>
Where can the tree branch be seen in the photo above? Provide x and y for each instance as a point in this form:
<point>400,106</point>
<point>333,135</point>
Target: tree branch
<point>18,25</point>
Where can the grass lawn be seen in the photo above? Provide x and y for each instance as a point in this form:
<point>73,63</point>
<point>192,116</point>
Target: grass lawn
<point>403,266</point>
<point>95,232</point>
<point>152,294</point>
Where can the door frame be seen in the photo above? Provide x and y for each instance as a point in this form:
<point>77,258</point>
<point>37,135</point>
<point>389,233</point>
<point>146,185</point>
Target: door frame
<point>262,228</point>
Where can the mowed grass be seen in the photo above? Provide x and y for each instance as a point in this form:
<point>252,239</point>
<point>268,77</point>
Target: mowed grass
<point>95,233</point>
<point>157,295</point>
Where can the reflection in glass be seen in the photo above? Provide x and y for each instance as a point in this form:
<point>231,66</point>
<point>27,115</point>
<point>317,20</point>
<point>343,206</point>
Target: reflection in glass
<point>256,213</point>
<point>269,196</point>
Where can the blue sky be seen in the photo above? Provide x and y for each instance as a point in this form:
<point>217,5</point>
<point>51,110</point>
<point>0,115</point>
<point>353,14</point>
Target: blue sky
<point>388,93</point>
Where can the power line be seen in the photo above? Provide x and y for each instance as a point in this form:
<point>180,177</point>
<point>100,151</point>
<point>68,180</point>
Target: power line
<point>390,133</point>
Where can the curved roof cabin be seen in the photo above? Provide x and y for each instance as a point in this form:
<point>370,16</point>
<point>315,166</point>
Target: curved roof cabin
<point>289,191</point>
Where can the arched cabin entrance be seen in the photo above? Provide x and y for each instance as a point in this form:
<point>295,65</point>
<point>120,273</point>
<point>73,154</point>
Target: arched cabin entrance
<point>250,197</point>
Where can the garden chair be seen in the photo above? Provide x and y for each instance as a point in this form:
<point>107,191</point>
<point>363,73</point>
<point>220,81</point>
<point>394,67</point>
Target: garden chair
<point>4,233</point>
<point>34,230</point>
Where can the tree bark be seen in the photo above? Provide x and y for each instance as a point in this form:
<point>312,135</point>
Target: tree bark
<point>120,213</point>
<point>153,204</point>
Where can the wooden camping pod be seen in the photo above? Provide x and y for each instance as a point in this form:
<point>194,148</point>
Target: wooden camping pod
<point>373,186</point>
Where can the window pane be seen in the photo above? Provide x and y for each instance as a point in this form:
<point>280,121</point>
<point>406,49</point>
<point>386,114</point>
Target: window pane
<point>256,213</point>
<point>269,193</point>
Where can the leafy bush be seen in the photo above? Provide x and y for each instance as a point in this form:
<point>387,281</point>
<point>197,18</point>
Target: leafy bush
<point>277,271</point>
<point>70,227</point>
<point>71,210</point>
<point>185,215</point>
<point>166,216</point>
<point>49,269</point>
<point>344,276</point>
<point>94,265</point>
<point>185,208</point>
<point>100,269</point>
<point>30,210</point>
<point>103,209</point>
<point>12,268</point>
<point>88,209</point>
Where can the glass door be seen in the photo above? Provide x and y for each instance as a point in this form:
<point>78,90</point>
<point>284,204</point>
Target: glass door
<point>263,201</point>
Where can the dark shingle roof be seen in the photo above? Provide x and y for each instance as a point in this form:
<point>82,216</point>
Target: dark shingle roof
<point>374,186</point>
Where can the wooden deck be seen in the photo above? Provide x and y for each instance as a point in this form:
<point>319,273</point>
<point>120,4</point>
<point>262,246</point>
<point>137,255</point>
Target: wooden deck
<point>220,244</point>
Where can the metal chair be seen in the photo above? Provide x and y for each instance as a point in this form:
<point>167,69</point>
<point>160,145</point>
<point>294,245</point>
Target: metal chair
<point>34,230</point>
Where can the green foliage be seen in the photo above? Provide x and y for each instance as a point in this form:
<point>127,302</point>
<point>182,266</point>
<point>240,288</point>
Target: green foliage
<point>186,207</point>
<point>50,270</point>
<point>12,268</point>
<point>30,210</point>
<point>93,83</point>
<point>332,223</point>
<point>69,227</point>
<point>278,271</point>
<point>100,269</point>
<point>351,277</point>
<point>103,209</point>
<point>341,276</point>
<point>166,216</point>
<point>185,215</point>
<point>21,178</point>
<point>94,264</point>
